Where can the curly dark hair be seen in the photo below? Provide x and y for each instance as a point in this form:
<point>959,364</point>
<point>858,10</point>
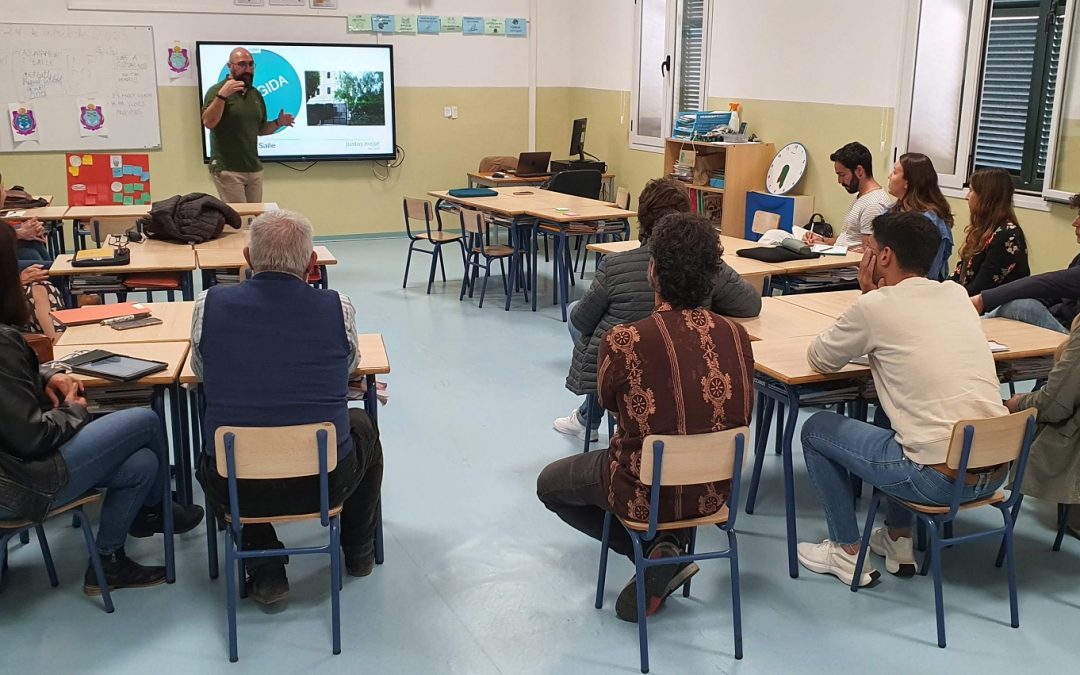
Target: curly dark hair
<point>685,250</point>
<point>658,198</point>
<point>852,156</point>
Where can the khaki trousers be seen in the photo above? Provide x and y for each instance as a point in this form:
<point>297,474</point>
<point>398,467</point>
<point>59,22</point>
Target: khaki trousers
<point>239,187</point>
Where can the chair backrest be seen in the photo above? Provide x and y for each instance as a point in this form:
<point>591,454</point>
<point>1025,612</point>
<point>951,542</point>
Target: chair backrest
<point>622,198</point>
<point>262,453</point>
<point>495,163</point>
<point>995,440</point>
<point>101,228</point>
<point>578,182</point>
<point>693,459</point>
<point>417,209</point>
<point>472,221</point>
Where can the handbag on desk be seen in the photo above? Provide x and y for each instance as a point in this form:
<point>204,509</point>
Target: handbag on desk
<point>819,226</point>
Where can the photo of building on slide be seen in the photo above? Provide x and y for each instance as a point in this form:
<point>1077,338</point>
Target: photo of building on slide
<point>341,97</point>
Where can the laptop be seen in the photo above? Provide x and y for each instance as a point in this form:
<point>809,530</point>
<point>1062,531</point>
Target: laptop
<point>532,164</point>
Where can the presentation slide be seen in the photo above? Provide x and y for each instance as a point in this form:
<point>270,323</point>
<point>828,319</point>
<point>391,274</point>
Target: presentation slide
<point>342,97</point>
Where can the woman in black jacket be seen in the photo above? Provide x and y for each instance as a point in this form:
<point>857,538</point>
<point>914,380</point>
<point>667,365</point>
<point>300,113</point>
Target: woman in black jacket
<point>51,453</point>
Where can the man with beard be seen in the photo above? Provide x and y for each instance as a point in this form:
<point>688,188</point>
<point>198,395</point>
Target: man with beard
<point>855,172</point>
<point>235,114</point>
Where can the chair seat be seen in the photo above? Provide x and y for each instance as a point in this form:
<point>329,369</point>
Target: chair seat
<point>495,251</point>
<point>933,508</point>
<point>285,519</point>
<point>441,237</point>
<point>87,498</point>
<point>718,518</point>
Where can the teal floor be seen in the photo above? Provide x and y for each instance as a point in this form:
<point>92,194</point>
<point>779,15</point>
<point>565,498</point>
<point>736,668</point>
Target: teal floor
<point>480,578</point>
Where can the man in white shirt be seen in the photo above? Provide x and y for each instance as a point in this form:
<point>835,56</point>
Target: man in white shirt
<point>854,168</point>
<point>931,367</point>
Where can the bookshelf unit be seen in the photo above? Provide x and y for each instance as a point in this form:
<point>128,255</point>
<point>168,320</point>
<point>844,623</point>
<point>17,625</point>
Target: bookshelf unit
<point>744,166</point>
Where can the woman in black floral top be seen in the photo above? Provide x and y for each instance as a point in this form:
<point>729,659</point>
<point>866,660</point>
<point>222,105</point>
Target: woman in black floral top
<point>994,251</point>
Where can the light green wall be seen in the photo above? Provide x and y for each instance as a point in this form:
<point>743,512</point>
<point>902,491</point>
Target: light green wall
<point>338,197</point>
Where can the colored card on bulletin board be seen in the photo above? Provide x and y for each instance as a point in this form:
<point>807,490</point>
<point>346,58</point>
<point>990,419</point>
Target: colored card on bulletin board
<point>406,23</point>
<point>494,26</point>
<point>383,23</point>
<point>472,25</point>
<point>517,27</point>
<point>94,179</point>
<point>359,23</point>
<point>450,24</point>
<point>428,24</point>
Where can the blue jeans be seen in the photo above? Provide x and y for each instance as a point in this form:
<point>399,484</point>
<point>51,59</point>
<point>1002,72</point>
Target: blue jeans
<point>1031,312</point>
<point>836,447</point>
<point>121,452</point>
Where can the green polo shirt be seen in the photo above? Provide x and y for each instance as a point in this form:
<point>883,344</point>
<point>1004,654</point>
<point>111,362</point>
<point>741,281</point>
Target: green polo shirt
<point>234,142</point>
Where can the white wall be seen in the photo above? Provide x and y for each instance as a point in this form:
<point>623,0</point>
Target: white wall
<point>586,43</point>
<point>420,60</point>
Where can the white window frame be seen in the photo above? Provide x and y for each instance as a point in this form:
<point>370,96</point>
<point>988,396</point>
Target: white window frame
<point>672,48</point>
<point>952,184</point>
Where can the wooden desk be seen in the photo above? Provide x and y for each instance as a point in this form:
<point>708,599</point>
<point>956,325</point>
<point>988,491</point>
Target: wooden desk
<point>147,256</point>
<point>175,327</point>
<point>41,213</point>
<point>1023,340</point>
<point>106,211</point>
<point>779,320</point>
<point>609,247</point>
<point>172,353</point>
<point>228,239</point>
<point>253,208</point>
<point>825,262</point>
<point>830,303</point>
<point>225,258</point>
<point>477,179</point>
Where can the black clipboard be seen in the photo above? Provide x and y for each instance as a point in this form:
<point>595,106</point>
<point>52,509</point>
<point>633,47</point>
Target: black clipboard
<point>111,366</point>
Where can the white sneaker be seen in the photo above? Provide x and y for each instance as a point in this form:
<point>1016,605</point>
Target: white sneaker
<point>571,425</point>
<point>899,555</point>
<point>828,557</point>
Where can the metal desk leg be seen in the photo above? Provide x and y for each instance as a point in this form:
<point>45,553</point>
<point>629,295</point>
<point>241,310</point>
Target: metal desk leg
<point>515,262</point>
<point>533,240</point>
<point>789,480</point>
<point>158,405</point>
<point>371,405</point>
<point>182,431</point>
<point>187,285</point>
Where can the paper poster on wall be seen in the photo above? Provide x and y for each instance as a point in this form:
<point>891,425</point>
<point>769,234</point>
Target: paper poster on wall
<point>359,23</point>
<point>406,23</point>
<point>429,25</point>
<point>383,23</point>
<point>517,27</point>
<point>178,61</point>
<point>472,25</point>
<point>107,179</point>
<point>288,3</point>
<point>91,118</point>
<point>450,24</point>
<point>324,4</point>
<point>22,122</point>
<point>494,26</point>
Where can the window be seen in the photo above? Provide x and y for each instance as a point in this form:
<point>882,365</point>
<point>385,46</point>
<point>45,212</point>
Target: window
<point>983,82</point>
<point>671,40</point>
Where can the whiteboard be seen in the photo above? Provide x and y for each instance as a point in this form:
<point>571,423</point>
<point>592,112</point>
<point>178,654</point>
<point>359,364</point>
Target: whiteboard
<point>54,70</point>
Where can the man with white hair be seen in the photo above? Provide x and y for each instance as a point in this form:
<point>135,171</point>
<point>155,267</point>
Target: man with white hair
<point>273,351</point>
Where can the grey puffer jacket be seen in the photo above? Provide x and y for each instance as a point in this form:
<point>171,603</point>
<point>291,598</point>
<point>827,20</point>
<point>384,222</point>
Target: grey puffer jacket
<point>621,293</point>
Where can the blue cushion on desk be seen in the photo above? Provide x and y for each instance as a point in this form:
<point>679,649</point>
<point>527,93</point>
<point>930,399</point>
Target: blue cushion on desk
<point>473,192</point>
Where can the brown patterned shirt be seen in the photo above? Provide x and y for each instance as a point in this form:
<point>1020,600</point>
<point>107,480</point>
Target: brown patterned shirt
<point>673,372</point>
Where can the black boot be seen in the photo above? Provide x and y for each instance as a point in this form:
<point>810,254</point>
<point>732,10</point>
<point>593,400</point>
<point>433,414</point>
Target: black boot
<point>150,521</point>
<point>266,579</point>
<point>358,562</point>
<point>122,572</point>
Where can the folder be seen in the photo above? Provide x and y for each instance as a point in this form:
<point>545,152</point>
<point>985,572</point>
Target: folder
<point>98,313</point>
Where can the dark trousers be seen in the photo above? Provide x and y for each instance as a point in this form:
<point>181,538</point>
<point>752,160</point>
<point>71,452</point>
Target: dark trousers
<point>356,483</point>
<point>572,489</point>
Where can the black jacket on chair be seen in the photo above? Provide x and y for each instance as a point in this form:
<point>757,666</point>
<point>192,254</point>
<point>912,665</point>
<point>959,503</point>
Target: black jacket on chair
<point>31,431</point>
<point>192,218</point>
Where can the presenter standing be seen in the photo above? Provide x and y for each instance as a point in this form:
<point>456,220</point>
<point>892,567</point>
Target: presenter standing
<point>235,113</point>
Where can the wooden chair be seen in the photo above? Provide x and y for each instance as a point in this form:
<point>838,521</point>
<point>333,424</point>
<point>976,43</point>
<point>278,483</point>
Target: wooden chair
<point>617,231</point>
<point>420,209</point>
<point>13,528</point>
<point>475,228</point>
<point>975,444</point>
<point>494,163</point>
<point>672,461</point>
<point>273,453</point>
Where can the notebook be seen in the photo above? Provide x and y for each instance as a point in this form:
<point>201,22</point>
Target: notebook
<point>99,313</point>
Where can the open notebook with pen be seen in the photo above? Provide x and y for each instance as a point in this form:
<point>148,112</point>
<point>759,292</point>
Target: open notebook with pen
<point>995,347</point>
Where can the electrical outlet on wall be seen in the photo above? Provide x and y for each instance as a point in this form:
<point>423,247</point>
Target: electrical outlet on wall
<point>453,112</point>
<point>447,112</point>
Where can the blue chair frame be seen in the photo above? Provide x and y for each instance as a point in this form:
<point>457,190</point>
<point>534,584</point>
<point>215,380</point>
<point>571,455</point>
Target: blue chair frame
<point>592,403</point>
<point>939,526</point>
<point>9,532</point>
<point>328,517</point>
<point>641,563</point>
<point>476,247</point>
<point>437,238</point>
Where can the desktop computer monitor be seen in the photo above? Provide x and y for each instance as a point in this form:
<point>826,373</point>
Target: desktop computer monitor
<point>577,139</point>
